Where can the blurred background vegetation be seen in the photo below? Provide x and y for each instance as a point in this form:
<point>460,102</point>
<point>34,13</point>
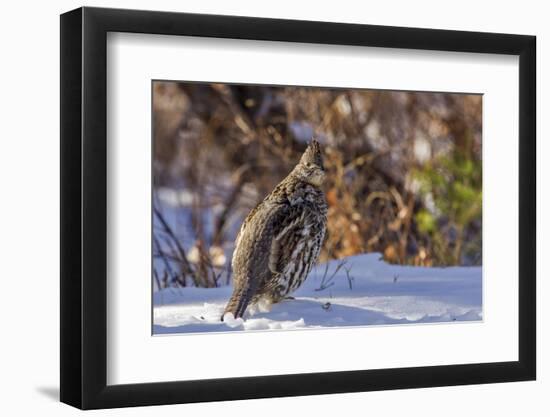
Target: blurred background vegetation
<point>404,172</point>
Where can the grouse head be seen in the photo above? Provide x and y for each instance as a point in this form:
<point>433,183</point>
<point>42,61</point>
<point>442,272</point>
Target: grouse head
<point>310,168</point>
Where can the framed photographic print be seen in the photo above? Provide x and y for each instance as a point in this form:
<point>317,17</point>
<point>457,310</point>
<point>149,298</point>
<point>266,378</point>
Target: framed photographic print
<point>257,208</point>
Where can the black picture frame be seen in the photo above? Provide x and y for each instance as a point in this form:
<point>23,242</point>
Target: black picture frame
<point>84,207</point>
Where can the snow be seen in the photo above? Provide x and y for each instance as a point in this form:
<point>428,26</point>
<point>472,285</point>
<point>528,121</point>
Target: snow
<point>361,290</point>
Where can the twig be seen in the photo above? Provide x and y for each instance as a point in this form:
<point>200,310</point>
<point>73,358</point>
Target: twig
<point>327,283</point>
<point>162,256</point>
<point>349,277</point>
<point>181,251</point>
<point>157,279</point>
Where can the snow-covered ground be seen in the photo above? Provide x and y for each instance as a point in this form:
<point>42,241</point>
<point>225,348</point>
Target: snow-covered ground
<point>362,291</point>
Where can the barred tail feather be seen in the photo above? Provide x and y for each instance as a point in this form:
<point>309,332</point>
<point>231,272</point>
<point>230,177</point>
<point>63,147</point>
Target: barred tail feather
<point>238,302</point>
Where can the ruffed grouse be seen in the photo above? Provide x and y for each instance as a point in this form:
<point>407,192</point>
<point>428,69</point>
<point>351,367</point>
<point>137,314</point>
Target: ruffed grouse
<point>280,239</point>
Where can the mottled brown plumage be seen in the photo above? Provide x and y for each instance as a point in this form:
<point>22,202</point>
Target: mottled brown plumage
<point>280,239</point>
